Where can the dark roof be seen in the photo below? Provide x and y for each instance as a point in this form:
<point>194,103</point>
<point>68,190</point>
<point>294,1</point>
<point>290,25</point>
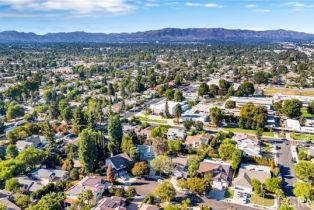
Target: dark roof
<point>120,160</point>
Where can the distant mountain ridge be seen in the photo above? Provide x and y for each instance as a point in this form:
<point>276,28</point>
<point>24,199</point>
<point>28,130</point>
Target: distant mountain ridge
<point>162,35</point>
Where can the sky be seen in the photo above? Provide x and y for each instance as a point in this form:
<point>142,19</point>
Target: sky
<point>113,16</point>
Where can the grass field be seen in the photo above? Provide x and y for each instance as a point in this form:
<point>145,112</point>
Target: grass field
<point>288,91</point>
<point>252,132</point>
<point>145,119</point>
<point>268,200</point>
<point>301,137</point>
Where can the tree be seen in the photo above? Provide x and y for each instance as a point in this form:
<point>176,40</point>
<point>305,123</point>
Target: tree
<point>11,151</point>
<point>278,107</point>
<point>109,174</point>
<point>88,150</point>
<point>83,198</point>
<point>178,96</point>
<point>230,104</point>
<point>203,89</point>
<point>286,207</point>
<point>310,108</point>
<point>169,94</point>
<point>215,115</point>
<point>165,191</point>
<point>260,77</point>
<point>199,125</point>
<point>2,126</point>
<point>131,192</point>
<point>14,111</point>
<point>257,187</point>
<point>188,124</point>
<point>167,113</point>
<point>226,151</point>
<point>66,114</point>
<point>78,120</point>
<point>178,112</point>
<point>115,132</point>
<point>174,146</point>
<point>198,185</point>
<point>236,159</point>
<point>272,184</point>
<point>304,170</point>
<point>12,185</point>
<point>162,164</point>
<point>292,108</point>
<point>303,190</point>
<point>253,117</point>
<point>193,164</point>
<point>140,168</point>
<point>246,88</point>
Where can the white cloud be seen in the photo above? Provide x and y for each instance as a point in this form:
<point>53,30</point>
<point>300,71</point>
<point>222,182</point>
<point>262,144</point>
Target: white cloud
<point>298,5</point>
<point>191,4</point>
<point>77,6</point>
<point>207,5</point>
<point>210,5</point>
<point>263,10</point>
<point>250,6</point>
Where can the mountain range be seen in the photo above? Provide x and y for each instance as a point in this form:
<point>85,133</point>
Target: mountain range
<point>162,35</point>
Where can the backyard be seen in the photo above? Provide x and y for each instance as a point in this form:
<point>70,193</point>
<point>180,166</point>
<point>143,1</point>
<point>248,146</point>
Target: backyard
<point>268,200</point>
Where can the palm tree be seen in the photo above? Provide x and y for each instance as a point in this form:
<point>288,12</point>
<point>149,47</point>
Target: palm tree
<point>178,112</point>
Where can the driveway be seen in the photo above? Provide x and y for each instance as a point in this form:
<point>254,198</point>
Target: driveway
<point>144,187</point>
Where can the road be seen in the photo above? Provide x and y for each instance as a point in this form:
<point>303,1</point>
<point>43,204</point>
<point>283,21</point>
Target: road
<point>287,171</point>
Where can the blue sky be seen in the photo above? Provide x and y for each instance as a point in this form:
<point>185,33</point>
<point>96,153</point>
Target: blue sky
<point>110,16</point>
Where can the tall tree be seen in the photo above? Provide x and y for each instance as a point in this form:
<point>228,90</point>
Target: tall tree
<point>115,132</point>
<point>88,150</point>
<point>178,112</point>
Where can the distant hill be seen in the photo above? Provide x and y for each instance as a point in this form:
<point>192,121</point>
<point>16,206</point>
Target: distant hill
<point>162,35</point>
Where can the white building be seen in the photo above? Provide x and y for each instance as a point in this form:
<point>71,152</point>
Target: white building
<point>160,107</point>
<point>241,101</point>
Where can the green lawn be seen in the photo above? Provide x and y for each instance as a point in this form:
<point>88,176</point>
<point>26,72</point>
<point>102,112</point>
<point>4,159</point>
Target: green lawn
<point>305,113</point>
<point>229,193</point>
<point>145,119</point>
<point>248,131</point>
<point>268,200</point>
<point>301,137</point>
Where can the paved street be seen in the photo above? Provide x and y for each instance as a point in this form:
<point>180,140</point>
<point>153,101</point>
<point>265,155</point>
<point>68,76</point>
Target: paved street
<point>286,167</point>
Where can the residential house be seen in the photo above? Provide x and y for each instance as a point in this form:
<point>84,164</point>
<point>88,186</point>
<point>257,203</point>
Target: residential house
<point>113,203</point>
<point>250,145</point>
<point>176,133</point>
<point>50,175</point>
<point>248,172</point>
<point>180,165</point>
<point>146,152</point>
<point>32,141</point>
<point>220,171</point>
<point>5,201</point>
<point>29,185</point>
<point>119,164</point>
<point>94,183</point>
<point>197,140</point>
